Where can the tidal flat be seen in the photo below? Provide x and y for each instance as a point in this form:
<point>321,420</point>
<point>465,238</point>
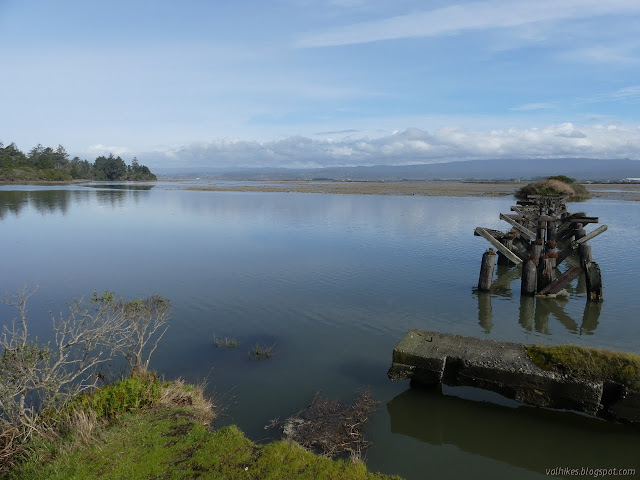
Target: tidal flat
<point>428,188</point>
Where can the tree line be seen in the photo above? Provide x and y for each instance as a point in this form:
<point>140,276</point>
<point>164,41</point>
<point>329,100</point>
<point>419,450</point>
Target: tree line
<point>48,164</point>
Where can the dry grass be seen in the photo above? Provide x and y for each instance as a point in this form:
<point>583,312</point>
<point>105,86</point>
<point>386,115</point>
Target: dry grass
<point>83,425</point>
<point>180,394</point>
<point>552,186</point>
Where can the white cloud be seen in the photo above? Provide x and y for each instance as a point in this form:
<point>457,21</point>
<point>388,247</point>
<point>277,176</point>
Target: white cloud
<point>454,19</point>
<point>534,106</point>
<point>100,149</point>
<point>411,146</point>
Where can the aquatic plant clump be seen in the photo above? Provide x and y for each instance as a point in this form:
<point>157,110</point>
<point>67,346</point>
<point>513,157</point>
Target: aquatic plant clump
<point>591,363</point>
<point>225,342</point>
<point>259,352</point>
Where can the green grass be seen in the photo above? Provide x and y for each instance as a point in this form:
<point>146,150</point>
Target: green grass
<point>168,444</point>
<point>141,428</point>
<point>592,363</point>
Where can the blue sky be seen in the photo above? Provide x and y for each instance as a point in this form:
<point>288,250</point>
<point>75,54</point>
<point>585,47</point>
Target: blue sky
<point>327,82</point>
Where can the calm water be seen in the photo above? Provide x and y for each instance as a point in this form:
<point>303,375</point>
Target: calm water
<point>333,281</point>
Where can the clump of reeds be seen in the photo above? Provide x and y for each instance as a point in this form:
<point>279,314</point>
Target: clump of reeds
<point>226,342</point>
<point>259,352</point>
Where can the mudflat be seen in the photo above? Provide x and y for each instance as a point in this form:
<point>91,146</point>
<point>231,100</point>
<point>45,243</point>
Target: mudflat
<point>427,188</point>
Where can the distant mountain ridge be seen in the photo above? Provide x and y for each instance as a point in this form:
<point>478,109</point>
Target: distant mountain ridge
<point>580,168</point>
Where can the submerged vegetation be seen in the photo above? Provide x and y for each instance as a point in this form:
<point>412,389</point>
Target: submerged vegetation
<point>259,352</point>
<point>53,165</point>
<point>591,363</point>
<point>225,342</point>
<point>555,185</point>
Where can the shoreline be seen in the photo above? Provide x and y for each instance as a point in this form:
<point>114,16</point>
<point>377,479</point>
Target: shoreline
<point>428,188</point>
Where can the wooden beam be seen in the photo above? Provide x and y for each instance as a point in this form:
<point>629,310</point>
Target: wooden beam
<point>501,248</point>
<point>589,236</point>
<point>528,234</point>
<point>560,282</point>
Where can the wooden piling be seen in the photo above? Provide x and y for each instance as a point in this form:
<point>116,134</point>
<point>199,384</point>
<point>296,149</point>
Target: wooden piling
<point>536,251</point>
<point>502,259</point>
<point>585,252</point>
<point>545,271</point>
<point>593,278</point>
<point>486,270</point>
<point>529,278</point>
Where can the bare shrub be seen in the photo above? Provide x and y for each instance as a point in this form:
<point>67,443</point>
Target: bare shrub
<point>37,377</point>
<point>331,427</point>
<point>145,320</point>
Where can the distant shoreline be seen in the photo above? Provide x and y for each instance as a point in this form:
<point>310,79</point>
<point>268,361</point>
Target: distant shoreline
<point>428,188</point>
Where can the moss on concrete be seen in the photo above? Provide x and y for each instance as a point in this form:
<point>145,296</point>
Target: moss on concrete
<point>591,363</point>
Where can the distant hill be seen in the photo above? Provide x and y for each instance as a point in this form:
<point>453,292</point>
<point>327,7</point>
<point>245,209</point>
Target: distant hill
<point>580,168</point>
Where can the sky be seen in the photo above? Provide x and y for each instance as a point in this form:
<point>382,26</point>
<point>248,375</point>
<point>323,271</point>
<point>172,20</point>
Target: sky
<point>304,83</point>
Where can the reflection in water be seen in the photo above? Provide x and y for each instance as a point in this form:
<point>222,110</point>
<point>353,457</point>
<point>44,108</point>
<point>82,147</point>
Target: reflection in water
<point>485,315</point>
<point>535,312</point>
<point>590,317</point>
<point>526,312</point>
<point>59,200</point>
<point>120,186</point>
<point>43,201</point>
<point>526,437</point>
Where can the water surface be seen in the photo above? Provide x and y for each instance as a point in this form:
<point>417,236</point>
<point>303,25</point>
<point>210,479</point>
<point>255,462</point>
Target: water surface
<point>333,282</point>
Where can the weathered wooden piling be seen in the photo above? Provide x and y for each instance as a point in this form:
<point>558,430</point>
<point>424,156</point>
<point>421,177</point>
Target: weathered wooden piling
<point>545,271</point>
<point>536,251</point>
<point>593,278</point>
<point>486,270</point>
<point>529,278</point>
<point>542,236</point>
<point>502,259</point>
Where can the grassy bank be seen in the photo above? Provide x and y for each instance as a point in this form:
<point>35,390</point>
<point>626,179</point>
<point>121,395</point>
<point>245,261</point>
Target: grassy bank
<point>142,428</point>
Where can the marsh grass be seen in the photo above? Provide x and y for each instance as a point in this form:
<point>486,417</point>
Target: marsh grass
<point>225,342</point>
<point>591,363</point>
<point>260,352</point>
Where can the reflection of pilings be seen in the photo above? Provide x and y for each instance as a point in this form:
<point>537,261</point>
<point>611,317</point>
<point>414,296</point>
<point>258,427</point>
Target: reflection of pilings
<point>557,311</point>
<point>485,314</point>
<point>505,276</point>
<point>541,318</point>
<point>590,317</point>
<point>527,306</point>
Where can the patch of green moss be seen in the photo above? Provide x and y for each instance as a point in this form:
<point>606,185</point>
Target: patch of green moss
<point>591,363</point>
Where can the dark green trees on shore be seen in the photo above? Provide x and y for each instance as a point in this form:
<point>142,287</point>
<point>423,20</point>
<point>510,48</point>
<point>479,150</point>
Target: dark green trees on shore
<point>48,164</point>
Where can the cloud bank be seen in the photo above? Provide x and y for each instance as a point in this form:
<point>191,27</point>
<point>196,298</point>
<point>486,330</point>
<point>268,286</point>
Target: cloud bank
<point>411,146</point>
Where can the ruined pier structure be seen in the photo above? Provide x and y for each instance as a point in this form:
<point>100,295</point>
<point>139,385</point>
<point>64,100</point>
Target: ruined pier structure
<point>431,358</point>
<point>542,236</point>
